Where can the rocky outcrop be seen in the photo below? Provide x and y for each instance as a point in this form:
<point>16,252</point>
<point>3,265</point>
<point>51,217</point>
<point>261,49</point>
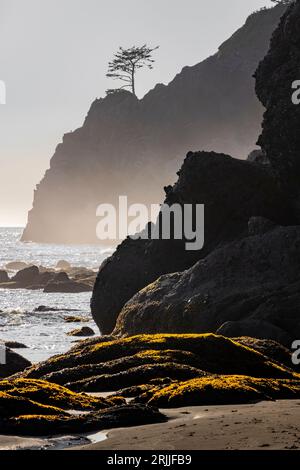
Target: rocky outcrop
<point>84,331</point>
<point>134,358</point>
<point>169,370</point>
<point>239,287</point>
<point>129,139</point>
<point>34,278</point>
<point>253,281</point>
<point>280,138</point>
<point>35,407</point>
<point>232,191</point>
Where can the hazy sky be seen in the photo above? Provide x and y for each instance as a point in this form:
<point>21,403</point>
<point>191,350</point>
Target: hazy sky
<point>53,59</point>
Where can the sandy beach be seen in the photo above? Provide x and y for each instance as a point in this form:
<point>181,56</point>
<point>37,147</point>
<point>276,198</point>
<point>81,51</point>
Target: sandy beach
<point>261,426</point>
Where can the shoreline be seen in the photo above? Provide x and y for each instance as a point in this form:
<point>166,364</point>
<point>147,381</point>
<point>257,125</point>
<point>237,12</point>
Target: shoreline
<point>267,425</point>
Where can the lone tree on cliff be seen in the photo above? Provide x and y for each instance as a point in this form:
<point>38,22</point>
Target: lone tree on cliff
<point>127,62</point>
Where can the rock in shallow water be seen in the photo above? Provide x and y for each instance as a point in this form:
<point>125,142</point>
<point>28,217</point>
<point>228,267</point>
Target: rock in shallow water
<point>84,331</point>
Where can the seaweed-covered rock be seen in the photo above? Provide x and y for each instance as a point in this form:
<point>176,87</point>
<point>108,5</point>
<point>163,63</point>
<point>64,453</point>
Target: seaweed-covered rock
<point>275,351</point>
<point>75,319</point>
<point>49,394</point>
<point>12,405</point>
<point>84,331</point>
<point>135,376</point>
<point>255,279</point>
<point>232,191</point>
<point>215,354</point>
<point>113,367</point>
<point>13,362</point>
<point>222,390</point>
<point>113,417</point>
<point>280,138</point>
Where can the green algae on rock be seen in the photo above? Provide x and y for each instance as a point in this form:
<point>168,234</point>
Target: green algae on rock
<point>115,416</point>
<point>49,394</point>
<point>210,353</point>
<point>135,376</point>
<point>221,390</point>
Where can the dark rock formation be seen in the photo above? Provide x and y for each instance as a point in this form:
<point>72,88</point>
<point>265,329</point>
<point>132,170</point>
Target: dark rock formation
<point>252,284</point>
<point>255,328</point>
<point>280,138</point>
<point>232,191</point>
<point>44,308</point>
<point>13,363</point>
<point>254,279</point>
<point>260,225</point>
<point>259,157</point>
<point>84,331</point>
<point>27,276</point>
<point>33,407</point>
<point>275,351</point>
<point>62,423</point>
<point>211,105</point>
<point>34,278</point>
<point>69,287</point>
<point>14,344</point>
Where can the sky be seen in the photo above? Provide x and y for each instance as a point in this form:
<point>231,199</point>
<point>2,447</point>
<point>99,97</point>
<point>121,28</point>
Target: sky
<point>53,61</point>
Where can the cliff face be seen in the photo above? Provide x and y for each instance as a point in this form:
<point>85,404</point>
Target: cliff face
<point>133,147</point>
<point>245,281</point>
<point>274,78</point>
<point>232,191</point>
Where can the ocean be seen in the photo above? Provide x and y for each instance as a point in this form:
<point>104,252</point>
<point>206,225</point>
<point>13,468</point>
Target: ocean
<point>44,334</point>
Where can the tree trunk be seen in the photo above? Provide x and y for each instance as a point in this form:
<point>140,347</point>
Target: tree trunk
<point>133,81</point>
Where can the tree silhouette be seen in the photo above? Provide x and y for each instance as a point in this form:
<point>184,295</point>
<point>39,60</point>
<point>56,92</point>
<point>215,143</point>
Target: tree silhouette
<point>127,62</point>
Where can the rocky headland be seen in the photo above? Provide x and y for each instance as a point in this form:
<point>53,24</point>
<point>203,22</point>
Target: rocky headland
<point>210,105</point>
<point>219,322</point>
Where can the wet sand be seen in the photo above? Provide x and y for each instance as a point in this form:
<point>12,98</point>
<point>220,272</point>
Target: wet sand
<point>260,426</point>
